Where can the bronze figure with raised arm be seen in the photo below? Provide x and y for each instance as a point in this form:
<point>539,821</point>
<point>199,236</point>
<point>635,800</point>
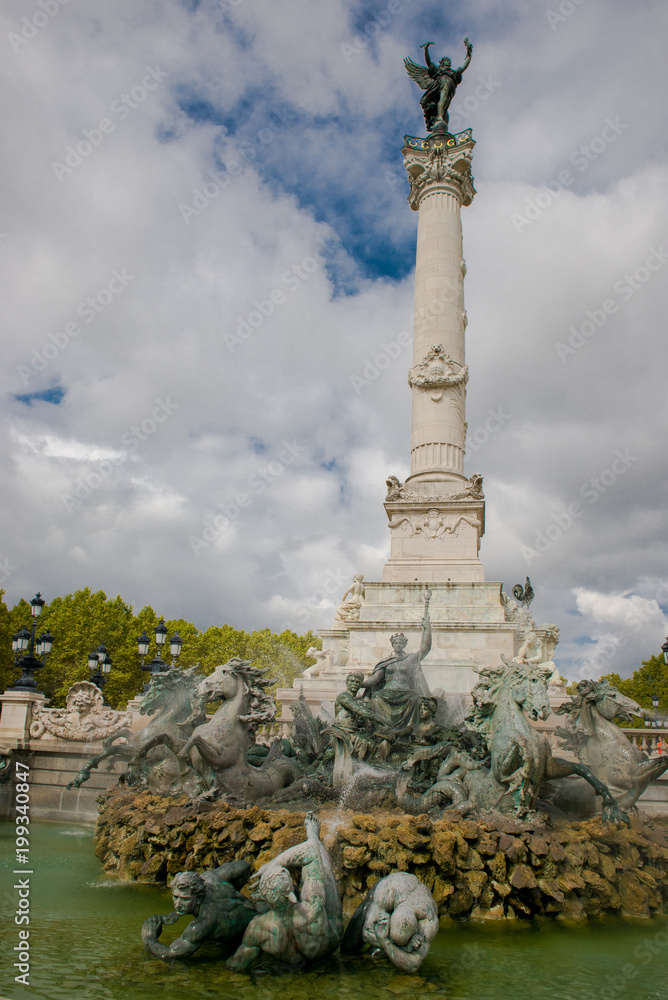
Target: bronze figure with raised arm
<point>439,82</point>
<point>397,684</point>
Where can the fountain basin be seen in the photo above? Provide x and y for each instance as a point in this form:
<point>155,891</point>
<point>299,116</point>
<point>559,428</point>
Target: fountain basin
<point>86,945</point>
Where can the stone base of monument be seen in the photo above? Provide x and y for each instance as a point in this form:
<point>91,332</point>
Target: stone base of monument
<point>469,630</point>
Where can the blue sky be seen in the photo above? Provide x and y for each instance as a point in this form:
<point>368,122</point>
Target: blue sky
<point>232,145</point>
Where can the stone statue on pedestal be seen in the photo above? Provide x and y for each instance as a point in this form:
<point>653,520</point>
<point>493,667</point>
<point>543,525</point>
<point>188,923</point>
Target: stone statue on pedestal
<point>351,602</point>
<point>439,82</point>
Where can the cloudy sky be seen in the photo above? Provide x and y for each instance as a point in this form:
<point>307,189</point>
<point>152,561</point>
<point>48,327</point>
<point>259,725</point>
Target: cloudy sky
<point>206,242</point>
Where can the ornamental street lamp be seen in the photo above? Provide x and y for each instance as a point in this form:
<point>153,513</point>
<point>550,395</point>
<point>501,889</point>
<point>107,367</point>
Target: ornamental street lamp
<point>99,664</point>
<point>24,642</point>
<point>157,665</point>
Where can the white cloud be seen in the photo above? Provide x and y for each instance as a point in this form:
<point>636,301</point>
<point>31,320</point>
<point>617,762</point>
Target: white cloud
<point>327,166</point>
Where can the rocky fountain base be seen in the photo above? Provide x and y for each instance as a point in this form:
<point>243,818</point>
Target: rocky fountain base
<point>490,868</point>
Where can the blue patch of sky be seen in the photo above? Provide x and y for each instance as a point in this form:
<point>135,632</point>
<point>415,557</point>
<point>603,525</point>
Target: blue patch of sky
<point>584,640</point>
<point>258,446</point>
<point>165,133</point>
<point>199,108</point>
<point>360,204</point>
<point>328,466</point>
<point>54,395</point>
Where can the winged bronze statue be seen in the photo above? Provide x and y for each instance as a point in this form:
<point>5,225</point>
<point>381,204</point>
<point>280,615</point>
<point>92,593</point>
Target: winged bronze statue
<point>439,82</point>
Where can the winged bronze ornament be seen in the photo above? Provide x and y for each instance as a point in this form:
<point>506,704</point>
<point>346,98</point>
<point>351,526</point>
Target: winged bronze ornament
<point>439,82</point>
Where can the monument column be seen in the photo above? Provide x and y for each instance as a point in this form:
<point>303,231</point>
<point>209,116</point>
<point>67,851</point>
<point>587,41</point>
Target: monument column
<point>437,516</point>
<point>439,171</point>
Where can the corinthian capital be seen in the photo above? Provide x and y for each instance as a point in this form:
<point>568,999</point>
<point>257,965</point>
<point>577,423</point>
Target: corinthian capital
<point>440,168</point>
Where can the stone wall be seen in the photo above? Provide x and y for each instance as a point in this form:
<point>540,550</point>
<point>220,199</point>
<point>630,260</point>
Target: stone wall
<point>52,764</point>
<point>486,869</point>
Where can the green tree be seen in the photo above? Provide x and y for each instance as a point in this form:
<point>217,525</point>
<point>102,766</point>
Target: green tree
<point>81,621</point>
<point>650,678</point>
<point>8,672</point>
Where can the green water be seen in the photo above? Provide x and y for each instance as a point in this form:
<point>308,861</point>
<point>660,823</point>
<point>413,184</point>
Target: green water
<point>85,945</point>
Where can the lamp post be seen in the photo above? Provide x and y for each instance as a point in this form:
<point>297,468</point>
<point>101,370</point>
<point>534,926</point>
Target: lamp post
<point>24,642</point>
<point>99,664</point>
<point>157,665</point>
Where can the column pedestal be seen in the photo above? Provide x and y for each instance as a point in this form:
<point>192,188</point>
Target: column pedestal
<point>16,714</point>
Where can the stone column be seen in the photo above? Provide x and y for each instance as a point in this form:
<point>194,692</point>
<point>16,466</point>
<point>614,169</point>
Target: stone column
<point>437,517</point>
<point>439,171</point>
<point>16,713</point>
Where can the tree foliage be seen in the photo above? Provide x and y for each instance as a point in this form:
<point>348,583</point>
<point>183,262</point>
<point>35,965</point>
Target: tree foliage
<point>650,678</point>
<point>81,621</point>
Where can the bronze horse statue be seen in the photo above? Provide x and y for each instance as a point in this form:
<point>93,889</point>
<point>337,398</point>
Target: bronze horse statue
<point>176,708</point>
<point>592,734</point>
<point>520,760</point>
<point>215,752</point>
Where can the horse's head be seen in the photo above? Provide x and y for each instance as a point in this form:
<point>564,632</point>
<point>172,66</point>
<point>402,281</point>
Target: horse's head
<point>239,679</point>
<point>602,697</point>
<point>525,684</point>
<point>225,680</point>
<point>162,689</point>
<point>528,687</point>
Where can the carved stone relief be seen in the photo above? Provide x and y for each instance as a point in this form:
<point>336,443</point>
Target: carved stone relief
<point>437,372</point>
<point>434,524</point>
<point>84,717</point>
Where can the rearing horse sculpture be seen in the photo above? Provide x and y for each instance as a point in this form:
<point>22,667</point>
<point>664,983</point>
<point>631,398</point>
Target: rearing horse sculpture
<point>216,750</point>
<point>520,757</point>
<point>176,708</point>
<point>591,733</point>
